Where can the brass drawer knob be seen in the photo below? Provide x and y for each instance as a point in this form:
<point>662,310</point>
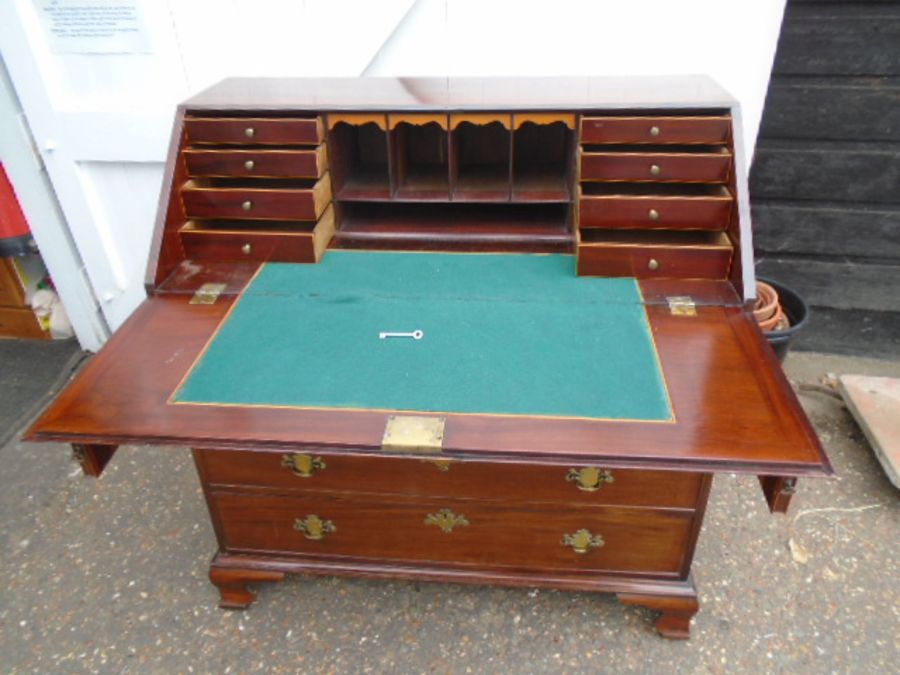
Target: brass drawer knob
<point>654,131</point>
<point>589,478</point>
<point>246,248</point>
<point>655,170</point>
<point>314,527</point>
<point>302,465</point>
<point>247,205</point>
<point>249,132</point>
<point>653,214</point>
<point>582,541</point>
<point>249,165</point>
<point>446,520</point>
<point>653,265</point>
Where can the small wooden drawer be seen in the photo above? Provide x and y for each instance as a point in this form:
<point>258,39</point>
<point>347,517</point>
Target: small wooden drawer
<point>620,253</point>
<point>310,470</point>
<point>311,163</point>
<point>254,130</point>
<point>215,241</point>
<point>455,531</point>
<point>656,130</point>
<point>257,200</point>
<point>709,209</point>
<point>657,167</point>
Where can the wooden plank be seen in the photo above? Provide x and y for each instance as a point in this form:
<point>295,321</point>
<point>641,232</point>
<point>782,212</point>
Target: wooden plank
<point>11,292</point>
<point>826,229</point>
<point>841,285</point>
<point>22,323</point>
<point>817,171</point>
<point>858,111</point>
<point>846,40</point>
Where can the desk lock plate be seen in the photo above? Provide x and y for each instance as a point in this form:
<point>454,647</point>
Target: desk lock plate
<point>413,434</point>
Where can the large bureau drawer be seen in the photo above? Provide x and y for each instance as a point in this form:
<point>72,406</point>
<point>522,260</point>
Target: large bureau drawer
<point>254,130</point>
<point>315,471</point>
<point>257,163</point>
<point>273,203</point>
<point>677,130</point>
<point>659,167</point>
<point>456,531</point>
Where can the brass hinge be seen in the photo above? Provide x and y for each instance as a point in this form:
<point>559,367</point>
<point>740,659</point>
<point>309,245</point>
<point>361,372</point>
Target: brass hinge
<point>207,294</point>
<point>412,434</point>
<point>682,305</point>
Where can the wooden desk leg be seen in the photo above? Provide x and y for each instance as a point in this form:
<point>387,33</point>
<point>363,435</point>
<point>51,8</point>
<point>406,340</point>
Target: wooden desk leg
<point>92,457</point>
<point>778,491</point>
<point>677,611</point>
<point>232,584</point>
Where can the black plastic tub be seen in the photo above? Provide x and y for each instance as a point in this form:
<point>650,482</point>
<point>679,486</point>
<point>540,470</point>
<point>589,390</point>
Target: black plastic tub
<point>797,312</point>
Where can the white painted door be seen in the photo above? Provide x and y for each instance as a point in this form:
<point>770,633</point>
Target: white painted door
<point>101,121</point>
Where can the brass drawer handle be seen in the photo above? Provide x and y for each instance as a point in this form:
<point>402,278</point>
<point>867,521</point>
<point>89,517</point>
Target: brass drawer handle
<point>247,205</point>
<point>314,527</point>
<point>655,170</point>
<point>653,265</point>
<point>302,465</point>
<point>246,248</point>
<point>582,541</point>
<point>653,214</point>
<point>249,132</point>
<point>446,520</point>
<point>654,131</point>
<point>249,165</point>
<point>589,478</point>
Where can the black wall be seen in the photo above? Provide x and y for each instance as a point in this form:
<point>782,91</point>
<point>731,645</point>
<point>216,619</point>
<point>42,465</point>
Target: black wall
<point>825,182</point>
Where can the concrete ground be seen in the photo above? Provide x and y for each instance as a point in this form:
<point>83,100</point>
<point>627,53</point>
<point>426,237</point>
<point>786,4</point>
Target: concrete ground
<point>109,575</point>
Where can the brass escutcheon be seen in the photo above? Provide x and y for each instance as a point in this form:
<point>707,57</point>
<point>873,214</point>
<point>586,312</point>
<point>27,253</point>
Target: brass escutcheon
<point>589,478</point>
<point>314,527</point>
<point>446,520</point>
<point>582,541</point>
<point>302,465</point>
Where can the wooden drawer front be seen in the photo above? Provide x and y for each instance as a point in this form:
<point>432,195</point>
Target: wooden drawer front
<point>476,480</point>
<point>634,540</point>
<point>303,245</point>
<point>656,130</point>
<point>646,261</point>
<point>657,167</point>
<point>254,203</point>
<point>257,163</point>
<point>253,246</point>
<point>629,212</point>
<point>254,131</point>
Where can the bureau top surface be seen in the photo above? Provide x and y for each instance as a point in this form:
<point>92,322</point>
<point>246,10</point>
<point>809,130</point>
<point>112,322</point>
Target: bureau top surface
<point>462,93</point>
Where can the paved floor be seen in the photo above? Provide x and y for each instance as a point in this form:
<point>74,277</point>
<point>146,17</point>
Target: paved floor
<point>109,575</point>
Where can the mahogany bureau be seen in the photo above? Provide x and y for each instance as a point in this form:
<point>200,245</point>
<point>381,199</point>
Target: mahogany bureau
<point>569,264</point>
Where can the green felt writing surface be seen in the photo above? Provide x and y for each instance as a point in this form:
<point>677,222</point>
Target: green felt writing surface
<point>503,334</point>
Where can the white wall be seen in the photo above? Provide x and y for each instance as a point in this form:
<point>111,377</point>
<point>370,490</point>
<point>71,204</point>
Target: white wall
<point>101,121</point>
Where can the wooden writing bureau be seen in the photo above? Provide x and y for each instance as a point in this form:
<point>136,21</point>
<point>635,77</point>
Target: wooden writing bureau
<point>576,254</point>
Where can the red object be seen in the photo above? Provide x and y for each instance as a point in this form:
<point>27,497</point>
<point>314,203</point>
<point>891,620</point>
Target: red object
<point>12,220</point>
